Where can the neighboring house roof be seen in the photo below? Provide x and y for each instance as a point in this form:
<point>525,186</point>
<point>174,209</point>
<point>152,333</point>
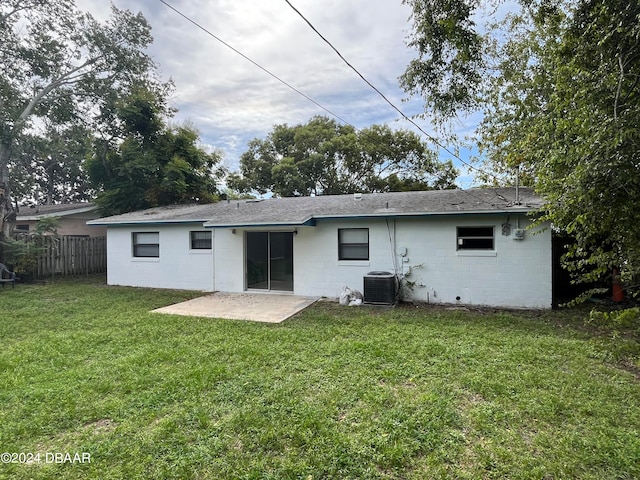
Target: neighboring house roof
<point>299,211</point>
<point>26,213</point>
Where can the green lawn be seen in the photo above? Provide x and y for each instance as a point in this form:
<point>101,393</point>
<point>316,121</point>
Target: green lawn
<point>335,392</point>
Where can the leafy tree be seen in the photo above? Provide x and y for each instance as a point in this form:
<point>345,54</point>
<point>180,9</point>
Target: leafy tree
<point>450,59</point>
<point>47,168</point>
<point>61,66</point>
<point>323,157</point>
<point>570,122</point>
<point>562,109</point>
<point>152,164</point>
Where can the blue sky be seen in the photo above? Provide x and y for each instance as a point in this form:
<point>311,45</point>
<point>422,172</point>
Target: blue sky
<point>231,101</point>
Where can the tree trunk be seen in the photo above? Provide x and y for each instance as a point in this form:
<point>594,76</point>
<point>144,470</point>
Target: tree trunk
<point>7,212</point>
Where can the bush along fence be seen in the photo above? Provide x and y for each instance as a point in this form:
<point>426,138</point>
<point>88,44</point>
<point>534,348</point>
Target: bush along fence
<point>41,256</point>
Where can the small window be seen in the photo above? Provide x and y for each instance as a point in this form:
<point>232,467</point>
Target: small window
<point>475,238</point>
<point>22,228</point>
<point>353,244</point>
<point>146,244</point>
<point>200,240</point>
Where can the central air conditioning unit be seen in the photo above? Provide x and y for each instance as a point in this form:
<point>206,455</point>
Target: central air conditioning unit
<point>380,288</point>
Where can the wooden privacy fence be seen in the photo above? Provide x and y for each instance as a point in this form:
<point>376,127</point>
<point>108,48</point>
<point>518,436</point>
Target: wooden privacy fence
<point>68,255</point>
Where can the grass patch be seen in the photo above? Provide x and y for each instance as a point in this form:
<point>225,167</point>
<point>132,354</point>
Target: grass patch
<point>405,393</point>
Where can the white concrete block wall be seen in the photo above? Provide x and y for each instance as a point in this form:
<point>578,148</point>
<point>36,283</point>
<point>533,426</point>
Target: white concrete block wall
<point>317,270</point>
<point>229,260</point>
<point>177,267</point>
<point>515,274</point>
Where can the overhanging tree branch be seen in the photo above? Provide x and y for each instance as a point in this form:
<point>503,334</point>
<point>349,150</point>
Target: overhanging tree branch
<point>67,79</point>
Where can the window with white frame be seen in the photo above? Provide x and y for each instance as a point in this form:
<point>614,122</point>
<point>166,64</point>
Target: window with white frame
<point>475,238</point>
<point>146,244</point>
<point>200,240</point>
<point>353,244</point>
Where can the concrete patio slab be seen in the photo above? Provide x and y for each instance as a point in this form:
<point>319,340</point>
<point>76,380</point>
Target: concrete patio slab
<point>257,307</point>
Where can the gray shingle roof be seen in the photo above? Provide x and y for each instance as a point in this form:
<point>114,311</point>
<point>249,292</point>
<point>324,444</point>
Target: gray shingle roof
<point>294,211</point>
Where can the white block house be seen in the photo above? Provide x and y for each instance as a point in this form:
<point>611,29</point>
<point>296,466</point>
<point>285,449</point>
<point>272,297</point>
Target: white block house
<point>452,246</point>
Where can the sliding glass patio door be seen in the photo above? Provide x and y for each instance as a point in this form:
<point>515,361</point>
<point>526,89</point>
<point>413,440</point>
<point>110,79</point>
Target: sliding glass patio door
<point>269,261</point>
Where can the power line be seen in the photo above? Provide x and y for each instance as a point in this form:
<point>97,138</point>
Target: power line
<point>208,32</point>
<point>410,120</point>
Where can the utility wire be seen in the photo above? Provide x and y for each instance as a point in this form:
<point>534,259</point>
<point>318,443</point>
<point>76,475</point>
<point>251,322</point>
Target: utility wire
<point>430,137</point>
<point>208,32</point>
<point>410,120</point>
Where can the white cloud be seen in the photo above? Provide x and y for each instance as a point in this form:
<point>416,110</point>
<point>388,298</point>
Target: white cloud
<point>231,100</point>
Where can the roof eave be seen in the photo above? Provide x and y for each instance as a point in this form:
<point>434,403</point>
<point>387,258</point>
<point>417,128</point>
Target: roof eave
<point>131,223</point>
<point>310,222</point>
